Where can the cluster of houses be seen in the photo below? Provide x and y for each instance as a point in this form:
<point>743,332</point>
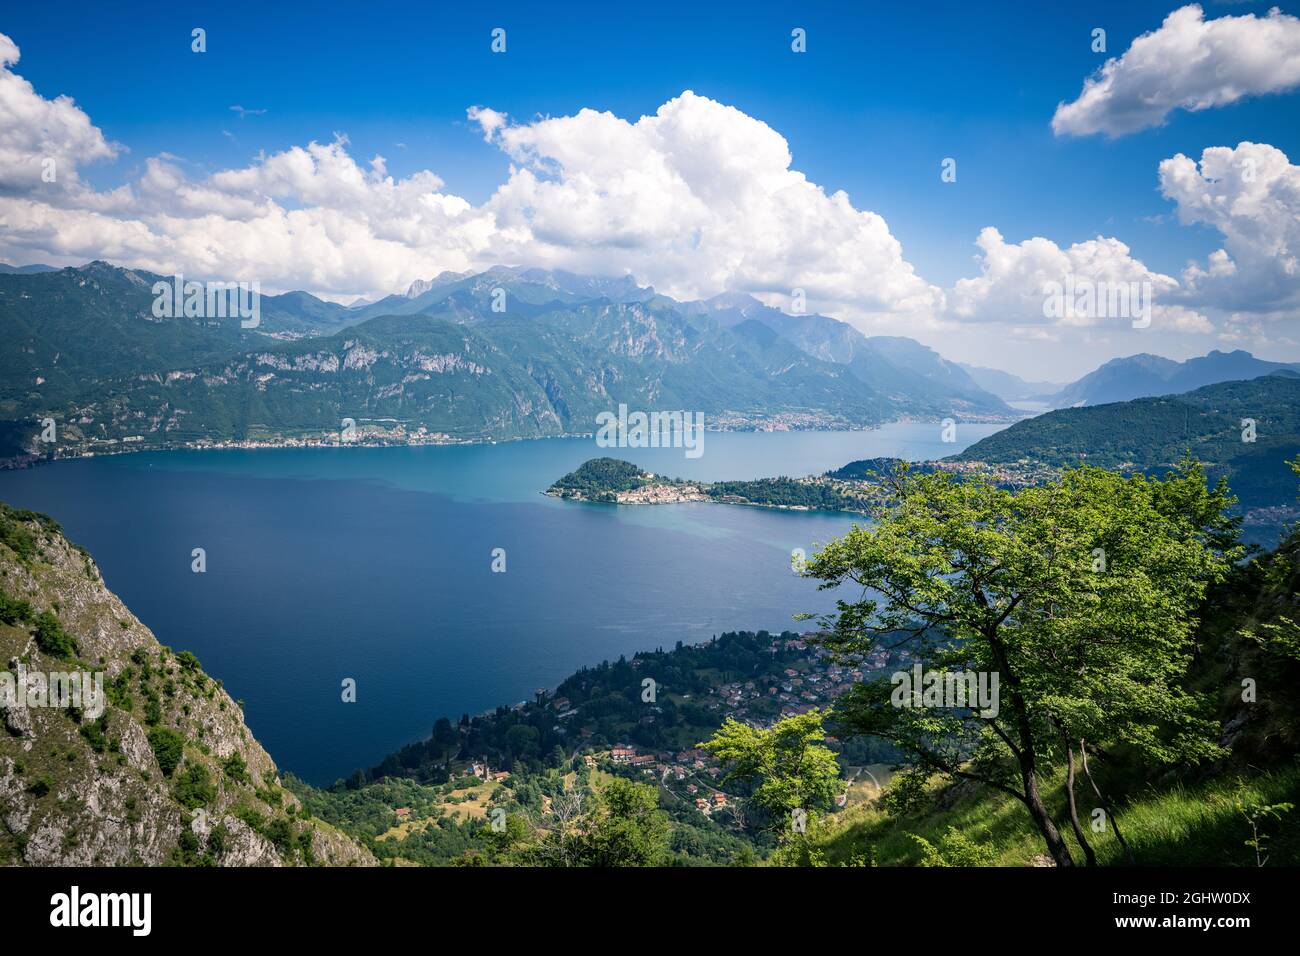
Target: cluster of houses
<point>795,690</point>
<point>629,757</point>
<point>684,766</point>
<point>1018,474</point>
<point>707,805</point>
<point>812,681</point>
<point>562,706</point>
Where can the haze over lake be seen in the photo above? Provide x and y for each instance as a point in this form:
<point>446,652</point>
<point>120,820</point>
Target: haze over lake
<point>375,564</point>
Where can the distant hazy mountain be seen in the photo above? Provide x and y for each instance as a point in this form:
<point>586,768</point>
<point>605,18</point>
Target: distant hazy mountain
<point>524,287</point>
<point>1008,387</point>
<point>420,286</point>
<point>1150,434</point>
<point>302,312</point>
<point>946,379</point>
<point>1141,375</point>
<point>915,379</point>
<point>7,269</point>
<point>902,369</point>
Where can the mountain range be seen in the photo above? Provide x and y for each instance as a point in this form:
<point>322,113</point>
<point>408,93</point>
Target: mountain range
<point>902,368</point>
<point>1006,386</point>
<point>505,353</point>
<point>1140,376</point>
<point>1151,434</point>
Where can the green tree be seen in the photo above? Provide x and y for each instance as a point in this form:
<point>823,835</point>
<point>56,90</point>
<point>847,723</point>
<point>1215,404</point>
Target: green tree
<point>789,766</point>
<point>513,834</point>
<point>168,746</point>
<point>193,787</point>
<point>521,741</point>
<point>627,828</point>
<point>1081,595</point>
<point>446,738</point>
<point>52,638</point>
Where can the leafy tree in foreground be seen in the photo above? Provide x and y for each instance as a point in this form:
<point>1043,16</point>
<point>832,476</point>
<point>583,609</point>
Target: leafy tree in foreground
<point>1080,595</point>
<point>789,765</point>
<point>626,829</point>
<point>619,825</point>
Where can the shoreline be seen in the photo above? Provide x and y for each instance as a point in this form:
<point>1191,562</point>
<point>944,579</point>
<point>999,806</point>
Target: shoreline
<point>705,500</point>
<point>127,447</point>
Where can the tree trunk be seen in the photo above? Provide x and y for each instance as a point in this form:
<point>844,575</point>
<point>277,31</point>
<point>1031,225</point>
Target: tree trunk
<point>1105,804</point>
<point>1046,825</point>
<point>1074,808</point>
<point>1025,754</point>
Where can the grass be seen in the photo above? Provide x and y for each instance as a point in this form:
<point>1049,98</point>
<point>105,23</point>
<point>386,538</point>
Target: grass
<point>1179,825</point>
<point>461,805</point>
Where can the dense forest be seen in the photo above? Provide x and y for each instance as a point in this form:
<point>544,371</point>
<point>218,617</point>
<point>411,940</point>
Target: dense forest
<point>601,479</point>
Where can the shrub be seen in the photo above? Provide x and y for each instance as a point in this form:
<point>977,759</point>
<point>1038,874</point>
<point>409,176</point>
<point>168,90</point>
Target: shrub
<point>250,816</point>
<point>167,746</point>
<point>94,732</point>
<point>280,832</point>
<point>954,849</point>
<point>14,534</point>
<point>217,838</point>
<point>236,768</point>
<point>14,610</point>
<point>194,787</point>
<point>52,638</point>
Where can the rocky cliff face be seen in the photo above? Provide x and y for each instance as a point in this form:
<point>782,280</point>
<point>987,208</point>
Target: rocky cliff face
<point>158,768</point>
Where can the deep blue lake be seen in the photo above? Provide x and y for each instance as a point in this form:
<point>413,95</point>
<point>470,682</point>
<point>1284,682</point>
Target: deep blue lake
<point>375,564</point>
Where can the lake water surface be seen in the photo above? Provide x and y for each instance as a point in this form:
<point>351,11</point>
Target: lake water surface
<point>375,564</point>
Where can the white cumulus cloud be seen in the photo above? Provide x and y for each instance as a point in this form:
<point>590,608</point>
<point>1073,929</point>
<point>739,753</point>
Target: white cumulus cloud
<point>35,131</point>
<point>696,199</point>
<point>1017,280</point>
<point>1251,195</point>
<point>1190,63</point>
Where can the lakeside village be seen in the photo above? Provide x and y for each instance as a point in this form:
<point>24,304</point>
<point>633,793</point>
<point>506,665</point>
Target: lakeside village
<point>367,434</point>
<point>656,740</point>
<point>856,494</point>
<point>855,488</point>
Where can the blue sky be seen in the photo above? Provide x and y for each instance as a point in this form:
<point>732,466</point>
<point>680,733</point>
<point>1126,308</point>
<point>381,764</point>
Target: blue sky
<point>882,96</point>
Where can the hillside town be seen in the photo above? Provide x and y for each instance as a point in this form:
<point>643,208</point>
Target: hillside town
<point>690,773</point>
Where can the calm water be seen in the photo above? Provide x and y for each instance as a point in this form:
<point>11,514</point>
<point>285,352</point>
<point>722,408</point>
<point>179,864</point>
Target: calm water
<point>375,564</point>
